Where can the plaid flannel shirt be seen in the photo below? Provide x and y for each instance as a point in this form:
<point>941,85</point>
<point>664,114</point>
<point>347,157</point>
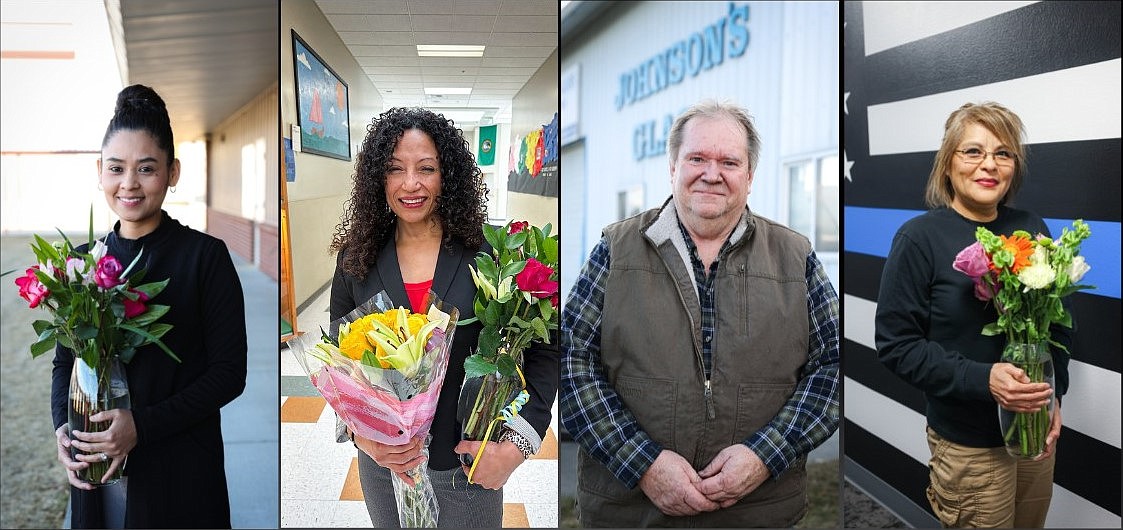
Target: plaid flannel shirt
<point>597,418</point>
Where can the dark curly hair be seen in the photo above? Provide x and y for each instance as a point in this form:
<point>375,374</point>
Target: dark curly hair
<point>367,222</point>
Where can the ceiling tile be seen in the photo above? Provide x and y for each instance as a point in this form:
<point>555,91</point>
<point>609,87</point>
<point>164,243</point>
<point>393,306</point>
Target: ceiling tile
<point>519,51</point>
<point>526,23</point>
<point>383,51</point>
<point>532,7</point>
<point>452,22</point>
<point>369,22</point>
<point>368,7</point>
<point>450,70</point>
<point>523,39</point>
<point>467,62</point>
<point>392,70</point>
<point>454,7</point>
<point>376,37</point>
<point>453,37</point>
<point>526,62</point>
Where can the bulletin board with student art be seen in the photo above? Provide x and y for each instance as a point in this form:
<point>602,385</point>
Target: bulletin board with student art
<point>534,162</point>
<point>321,103</point>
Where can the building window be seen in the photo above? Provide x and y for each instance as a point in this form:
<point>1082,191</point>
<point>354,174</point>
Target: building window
<point>813,200</point>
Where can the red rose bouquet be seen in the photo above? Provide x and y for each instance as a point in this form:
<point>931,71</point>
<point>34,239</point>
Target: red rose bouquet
<point>517,302</point>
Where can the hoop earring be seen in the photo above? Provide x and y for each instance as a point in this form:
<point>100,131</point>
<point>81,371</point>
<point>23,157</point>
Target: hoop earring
<point>171,188</point>
<point>99,188</point>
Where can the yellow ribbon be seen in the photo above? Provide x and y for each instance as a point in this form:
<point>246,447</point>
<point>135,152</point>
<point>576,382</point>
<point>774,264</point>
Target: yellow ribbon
<point>491,425</point>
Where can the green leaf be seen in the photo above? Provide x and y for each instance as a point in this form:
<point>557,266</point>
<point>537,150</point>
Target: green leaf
<point>43,346</point>
<point>992,329</point>
<point>491,235</point>
<point>370,359</point>
<point>506,365</point>
<point>90,241</point>
<point>159,330</point>
<point>42,325</point>
<point>49,251</point>
<point>154,312</point>
<point>486,267</point>
<point>492,314</point>
<point>151,338</point>
<point>477,366</point>
<point>125,274</point>
<point>152,289</point>
<point>489,342</point>
<point>516,240</point>
<point>540,330</point>
<point>86,332</point>
<point>65,341</point>
<point>126,354</point>
<point>513,268</point>
<point>546,230</point>
<point>467,321</point>
<point>550,250</point>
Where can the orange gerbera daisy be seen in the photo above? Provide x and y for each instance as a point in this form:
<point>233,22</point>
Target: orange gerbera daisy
<point>1020,247</point>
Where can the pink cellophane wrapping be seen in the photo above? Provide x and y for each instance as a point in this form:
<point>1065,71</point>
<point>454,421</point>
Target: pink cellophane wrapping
<point>380,403</point>
<point>374,412</point>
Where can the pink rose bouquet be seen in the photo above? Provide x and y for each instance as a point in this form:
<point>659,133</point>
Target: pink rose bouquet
<point>100,310</point>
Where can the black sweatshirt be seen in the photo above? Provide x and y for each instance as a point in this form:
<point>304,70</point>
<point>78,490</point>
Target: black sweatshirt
<point>929,323</point>
<point>176,472</point>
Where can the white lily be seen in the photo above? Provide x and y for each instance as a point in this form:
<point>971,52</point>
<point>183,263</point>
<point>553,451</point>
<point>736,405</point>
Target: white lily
<point>483,284</point>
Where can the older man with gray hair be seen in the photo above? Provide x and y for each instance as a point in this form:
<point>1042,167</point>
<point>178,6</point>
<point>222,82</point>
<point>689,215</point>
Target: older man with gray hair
<point>700,349</point>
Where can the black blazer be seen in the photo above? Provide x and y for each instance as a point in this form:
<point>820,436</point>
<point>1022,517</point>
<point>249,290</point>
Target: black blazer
<point>452,282</point>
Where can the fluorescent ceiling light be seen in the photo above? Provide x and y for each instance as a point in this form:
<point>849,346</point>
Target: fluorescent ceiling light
<point>461,116</point>
<point>449,50</point>
<point>447,91</point>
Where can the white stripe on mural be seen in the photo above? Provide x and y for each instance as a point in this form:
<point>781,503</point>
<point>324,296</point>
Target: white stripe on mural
<point>884,418</point>
<point>1073,104</point>
<point>890,24</point>
<point>1069,510</point>
<point>903,428</point>
<point>1092,405</point>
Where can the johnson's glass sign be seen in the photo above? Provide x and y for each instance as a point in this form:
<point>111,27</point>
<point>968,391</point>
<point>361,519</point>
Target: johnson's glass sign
<point>727,38</point>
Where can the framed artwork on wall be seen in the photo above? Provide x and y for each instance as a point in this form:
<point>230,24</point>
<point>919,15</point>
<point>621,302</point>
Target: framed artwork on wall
<point>321,104</point>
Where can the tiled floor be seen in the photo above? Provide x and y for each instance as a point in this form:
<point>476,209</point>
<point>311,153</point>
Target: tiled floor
<point>319,478</point>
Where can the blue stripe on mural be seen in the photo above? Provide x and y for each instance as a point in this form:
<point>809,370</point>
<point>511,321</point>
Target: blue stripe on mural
<point>871,230</point>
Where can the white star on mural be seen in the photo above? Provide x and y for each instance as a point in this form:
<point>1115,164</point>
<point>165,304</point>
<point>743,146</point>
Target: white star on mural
<point>845,97</point>
<point>848,164</point>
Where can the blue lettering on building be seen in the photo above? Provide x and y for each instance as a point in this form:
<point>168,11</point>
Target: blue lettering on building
<point>701,51</point>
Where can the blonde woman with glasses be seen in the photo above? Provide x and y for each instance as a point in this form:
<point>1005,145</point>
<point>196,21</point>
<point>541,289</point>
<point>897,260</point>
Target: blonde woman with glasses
<point>928,329</point>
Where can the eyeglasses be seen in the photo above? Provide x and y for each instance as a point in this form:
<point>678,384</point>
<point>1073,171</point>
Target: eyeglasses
<point>974,155</point>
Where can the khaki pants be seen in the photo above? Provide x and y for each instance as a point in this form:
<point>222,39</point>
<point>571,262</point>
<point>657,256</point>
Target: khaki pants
<point>986,487</point>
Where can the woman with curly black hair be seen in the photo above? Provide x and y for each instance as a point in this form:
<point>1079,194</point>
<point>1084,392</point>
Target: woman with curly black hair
<point>413,224</point>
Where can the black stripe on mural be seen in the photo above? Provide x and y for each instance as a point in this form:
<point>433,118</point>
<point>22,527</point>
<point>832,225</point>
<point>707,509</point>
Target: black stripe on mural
<point>860,364</point>
<point>861,275</point>
<point>1049,190</point>
<point>1088,468</point>
<point>890,464</point>
<point>990,50</point>
<point>1097,317</point>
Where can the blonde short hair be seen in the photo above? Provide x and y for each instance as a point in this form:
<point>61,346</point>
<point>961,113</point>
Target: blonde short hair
<point>713,109</point>
<point>1001,122</point>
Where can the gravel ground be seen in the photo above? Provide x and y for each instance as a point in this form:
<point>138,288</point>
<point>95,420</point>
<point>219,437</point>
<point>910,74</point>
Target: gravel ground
<point>861,511</point>
<point>33,484</point>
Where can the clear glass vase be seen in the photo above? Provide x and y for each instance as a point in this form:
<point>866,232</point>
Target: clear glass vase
<point>1024,432</point>
<point>94,389</point>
